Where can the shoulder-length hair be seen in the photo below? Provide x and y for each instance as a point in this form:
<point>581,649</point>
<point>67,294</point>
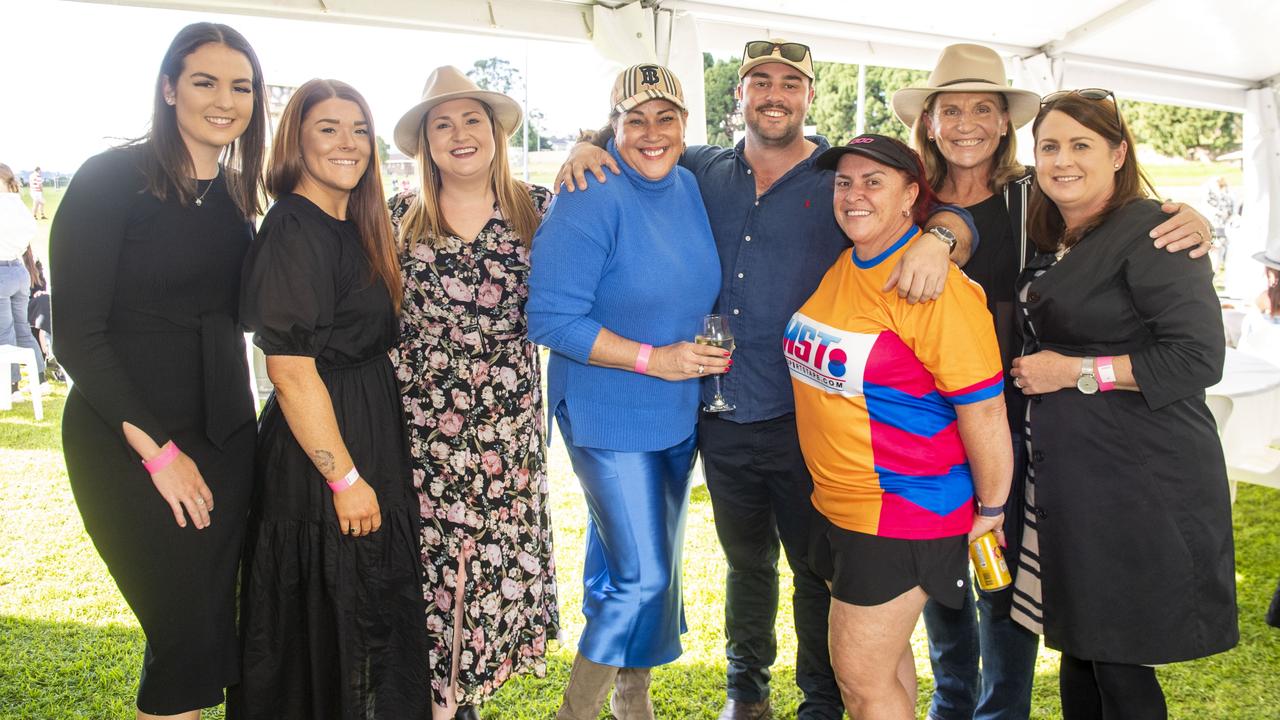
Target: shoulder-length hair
<point>167,164</point>
<point>1044,221</point>
<point>8,180</point>
<point>367,207</point>
<point>1004,168</point>
<point>425,219</point>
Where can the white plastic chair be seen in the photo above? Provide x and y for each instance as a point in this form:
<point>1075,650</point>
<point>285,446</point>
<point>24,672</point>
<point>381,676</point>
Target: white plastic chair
<point>11,355</point>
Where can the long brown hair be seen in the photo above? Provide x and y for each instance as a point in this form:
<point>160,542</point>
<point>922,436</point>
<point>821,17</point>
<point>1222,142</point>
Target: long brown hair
<point>1044,221</point>
<point>167,164</point>
<point>425,218</point>
<point>8,180</point>
<point>1004,168</point>
<point>367,206</point>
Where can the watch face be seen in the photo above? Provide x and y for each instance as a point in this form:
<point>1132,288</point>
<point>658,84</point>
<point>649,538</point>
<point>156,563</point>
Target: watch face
<point>1087,384</point>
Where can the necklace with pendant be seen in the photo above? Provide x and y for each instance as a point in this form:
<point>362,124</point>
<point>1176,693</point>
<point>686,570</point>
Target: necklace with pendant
<point>1062,252</point>
<point>207,188</point>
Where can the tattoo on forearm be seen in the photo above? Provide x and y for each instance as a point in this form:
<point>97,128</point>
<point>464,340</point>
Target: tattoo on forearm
<point>323,460</point>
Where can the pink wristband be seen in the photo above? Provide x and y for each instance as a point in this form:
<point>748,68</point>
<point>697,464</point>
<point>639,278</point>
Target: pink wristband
<point>642,358</point>
<point>346,482</point>
<point>162,460</point>
<point>1106,372</point>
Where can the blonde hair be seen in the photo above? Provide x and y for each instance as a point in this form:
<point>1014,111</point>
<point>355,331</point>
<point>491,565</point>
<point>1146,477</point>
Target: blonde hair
<point>425,218</point>
<point>1004,168</point>
<point>8,180</point>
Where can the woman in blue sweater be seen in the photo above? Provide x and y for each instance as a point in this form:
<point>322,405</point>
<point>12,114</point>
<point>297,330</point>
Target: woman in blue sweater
<point>621,279</point>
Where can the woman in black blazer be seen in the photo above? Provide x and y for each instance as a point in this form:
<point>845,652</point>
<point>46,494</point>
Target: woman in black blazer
<point>1127,553</point>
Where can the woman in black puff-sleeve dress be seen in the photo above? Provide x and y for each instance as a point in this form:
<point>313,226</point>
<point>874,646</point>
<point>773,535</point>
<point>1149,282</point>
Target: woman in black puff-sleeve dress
<point>331,603</point>
<point>146,250</point>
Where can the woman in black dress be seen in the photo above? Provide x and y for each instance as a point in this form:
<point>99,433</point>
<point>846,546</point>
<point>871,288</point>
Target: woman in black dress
<point>146,250</point>
<point>1127,515</point>
<point>331,601</point>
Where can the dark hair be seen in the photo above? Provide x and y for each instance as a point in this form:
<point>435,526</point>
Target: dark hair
<point>367,206</point>
<point>1044,221</point>
<point>926,200</point>
<point>167,163</point>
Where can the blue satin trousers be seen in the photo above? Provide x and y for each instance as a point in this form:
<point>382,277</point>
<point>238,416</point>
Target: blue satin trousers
<point>638,502</point>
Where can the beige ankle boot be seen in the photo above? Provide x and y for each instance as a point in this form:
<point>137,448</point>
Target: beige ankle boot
<point>589,682</point>
<point>631,695</point>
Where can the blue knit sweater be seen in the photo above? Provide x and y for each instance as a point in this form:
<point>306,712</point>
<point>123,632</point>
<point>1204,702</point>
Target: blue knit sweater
<point>635,256</point>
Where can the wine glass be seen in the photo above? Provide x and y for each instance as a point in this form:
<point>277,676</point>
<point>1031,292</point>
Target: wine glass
<point>716,333</point>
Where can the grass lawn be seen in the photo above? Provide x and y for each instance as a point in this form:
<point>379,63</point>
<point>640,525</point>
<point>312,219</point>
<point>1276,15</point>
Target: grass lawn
<point>70,648</point>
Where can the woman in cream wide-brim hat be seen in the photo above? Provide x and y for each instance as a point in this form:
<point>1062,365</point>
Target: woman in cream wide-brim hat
<point>472,394</point>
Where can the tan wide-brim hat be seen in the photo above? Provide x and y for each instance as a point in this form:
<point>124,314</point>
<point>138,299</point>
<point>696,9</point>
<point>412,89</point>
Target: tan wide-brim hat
<point>970,69</point>
<point>449,83</point>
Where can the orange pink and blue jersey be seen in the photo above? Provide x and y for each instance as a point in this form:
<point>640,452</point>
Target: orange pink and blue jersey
<point>876,383</point>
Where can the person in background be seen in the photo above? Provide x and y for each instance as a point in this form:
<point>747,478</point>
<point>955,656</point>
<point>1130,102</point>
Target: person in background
<point>963,122</point>
<point>622,277</point>
<point>767,203</point>
<point>17,228</point>
<point>1127,515</point>
<point>331,605</point>
<point>900,413</point>
<point>146,250</point>
<point>35,185</point>
<point>471,388</point>
<point>1225,209</point>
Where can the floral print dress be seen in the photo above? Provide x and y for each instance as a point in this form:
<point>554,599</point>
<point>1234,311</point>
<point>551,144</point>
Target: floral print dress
<point>472,395</point>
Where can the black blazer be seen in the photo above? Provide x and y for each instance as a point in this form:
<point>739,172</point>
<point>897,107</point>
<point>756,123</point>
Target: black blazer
<point>1132,505</point>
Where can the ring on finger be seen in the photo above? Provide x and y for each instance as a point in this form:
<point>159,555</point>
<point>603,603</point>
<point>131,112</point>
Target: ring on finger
<point>200,501</point>
<point>700,369</point>
<point>1017,382</point>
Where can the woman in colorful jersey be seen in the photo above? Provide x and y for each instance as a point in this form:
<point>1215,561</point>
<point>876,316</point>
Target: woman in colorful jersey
<point>900,413</point>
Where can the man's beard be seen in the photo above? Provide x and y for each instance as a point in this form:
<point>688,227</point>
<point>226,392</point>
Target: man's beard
<point>776,136</point>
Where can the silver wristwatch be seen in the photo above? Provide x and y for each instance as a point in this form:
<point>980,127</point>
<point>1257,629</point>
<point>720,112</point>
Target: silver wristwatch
<point>1087,383</point>
<point>944,235</point>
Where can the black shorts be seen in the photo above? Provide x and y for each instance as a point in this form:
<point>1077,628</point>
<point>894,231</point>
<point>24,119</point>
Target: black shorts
<point>870,570</point>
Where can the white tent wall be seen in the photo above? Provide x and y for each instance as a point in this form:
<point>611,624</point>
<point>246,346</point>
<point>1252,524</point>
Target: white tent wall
<point>1205,53</point>
<point>1261,216</point>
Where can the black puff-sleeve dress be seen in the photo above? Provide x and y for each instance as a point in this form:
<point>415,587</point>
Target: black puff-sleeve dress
<point>332,624</point>
<point>147,329</point>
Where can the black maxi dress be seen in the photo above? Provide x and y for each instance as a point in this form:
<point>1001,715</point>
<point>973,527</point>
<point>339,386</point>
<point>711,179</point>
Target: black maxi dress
<point>147,329</point>
<point>332,624</point>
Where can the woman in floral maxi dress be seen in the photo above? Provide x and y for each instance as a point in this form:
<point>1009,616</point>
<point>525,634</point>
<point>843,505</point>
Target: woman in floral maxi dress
<point>471,390</point>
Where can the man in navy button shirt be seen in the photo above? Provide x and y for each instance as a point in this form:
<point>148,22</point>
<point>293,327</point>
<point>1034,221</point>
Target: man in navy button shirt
<point>771,213</point>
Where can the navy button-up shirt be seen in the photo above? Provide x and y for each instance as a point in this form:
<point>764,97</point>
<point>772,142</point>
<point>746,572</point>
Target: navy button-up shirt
<point>774,251</point>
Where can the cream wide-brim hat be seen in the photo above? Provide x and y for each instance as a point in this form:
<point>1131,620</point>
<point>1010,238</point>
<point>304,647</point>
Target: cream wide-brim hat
<point>449,83</point>
<point>970,69</point>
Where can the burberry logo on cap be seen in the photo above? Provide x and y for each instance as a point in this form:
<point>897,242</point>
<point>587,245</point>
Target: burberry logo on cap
<point>650,74</point>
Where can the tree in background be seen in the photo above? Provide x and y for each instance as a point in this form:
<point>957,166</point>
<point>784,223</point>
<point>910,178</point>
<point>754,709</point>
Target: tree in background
<point>1183,132</point>
<point>384,150</point>
<point>719,78</point>
<point>835,107</point>
<point>501,76</point>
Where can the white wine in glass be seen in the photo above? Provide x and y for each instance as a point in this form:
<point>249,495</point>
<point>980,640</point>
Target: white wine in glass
<point>716,333</point>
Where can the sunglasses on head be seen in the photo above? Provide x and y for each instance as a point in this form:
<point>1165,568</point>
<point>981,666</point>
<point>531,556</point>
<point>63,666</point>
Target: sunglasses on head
<point>795,52</point>
<point>1087,94</point>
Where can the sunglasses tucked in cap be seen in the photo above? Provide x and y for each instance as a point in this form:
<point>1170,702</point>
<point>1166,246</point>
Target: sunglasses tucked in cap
<point>642,83</point>
<point>877,147</point>
<point>776,50</point>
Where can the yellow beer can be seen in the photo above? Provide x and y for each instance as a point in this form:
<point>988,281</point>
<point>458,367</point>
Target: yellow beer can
<point>988,563</point>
